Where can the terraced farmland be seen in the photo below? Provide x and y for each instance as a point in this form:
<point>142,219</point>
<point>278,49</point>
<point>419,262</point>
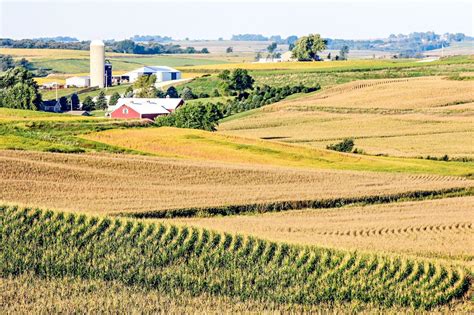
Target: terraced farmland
<point>441,228</point>
<point>168,258</point>
<point>126,183</point>
<point>399,117</point>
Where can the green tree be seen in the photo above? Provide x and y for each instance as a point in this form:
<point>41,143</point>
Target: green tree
<point>6,62</point>
<point>128,92</point>
<point>193,116</point>
<point>229,50</point>
<point>187,94</point>
<point>145,85</point>
<point>172,92</point>
<point>204,51</point>
<point>345,145</point>
<point>272,47</point>
<point>344,52</point>
<point>307,47</point>
<point>74,101</point>
<point>101,101</point>
<point>24,63</point>
<point>114,98</point>
<point>125,46</point>
<point>160,94</point>
<point>240,80</point>
<point>64,104</point>
<point>88,104</point>
<point>224,75</point>
<point>18,89</point>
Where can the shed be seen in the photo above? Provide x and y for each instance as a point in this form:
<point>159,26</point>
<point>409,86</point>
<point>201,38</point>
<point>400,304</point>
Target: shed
<point>83,81</point>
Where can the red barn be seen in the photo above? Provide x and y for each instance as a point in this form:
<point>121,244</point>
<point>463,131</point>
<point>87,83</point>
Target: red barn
<point>144,108</point>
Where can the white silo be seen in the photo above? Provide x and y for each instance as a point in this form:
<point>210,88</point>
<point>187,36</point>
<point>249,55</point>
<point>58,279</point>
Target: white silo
<point>97,61</point>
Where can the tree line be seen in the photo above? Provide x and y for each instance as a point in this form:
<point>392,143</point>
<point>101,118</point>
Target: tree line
<point>124,46</point>
<point>19,90</point>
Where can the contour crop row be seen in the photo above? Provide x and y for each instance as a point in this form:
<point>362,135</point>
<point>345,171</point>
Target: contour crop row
<point>169,258</point>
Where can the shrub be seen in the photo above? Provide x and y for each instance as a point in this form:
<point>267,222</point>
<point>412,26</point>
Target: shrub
<point>187,94</point>
<point>345,145</point>
<point>193,116</point>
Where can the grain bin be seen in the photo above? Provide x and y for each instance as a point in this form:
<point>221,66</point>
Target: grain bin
<point>97,63</point>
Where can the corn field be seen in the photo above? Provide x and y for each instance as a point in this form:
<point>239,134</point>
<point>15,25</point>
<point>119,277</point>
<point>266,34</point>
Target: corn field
<point>198,261</point>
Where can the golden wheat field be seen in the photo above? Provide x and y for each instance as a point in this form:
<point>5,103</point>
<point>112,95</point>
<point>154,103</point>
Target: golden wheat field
<point>442,228</point>
<point>117,183</point>
<point>423,116</point>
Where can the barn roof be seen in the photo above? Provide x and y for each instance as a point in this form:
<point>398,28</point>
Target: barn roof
<point>153,69</point>
<point>144,109</point>
<point>149,105</point>
<point>86,77</point>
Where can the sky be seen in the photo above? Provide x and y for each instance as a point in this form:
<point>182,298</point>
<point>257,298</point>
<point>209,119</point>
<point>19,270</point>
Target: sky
<point>120,19</point>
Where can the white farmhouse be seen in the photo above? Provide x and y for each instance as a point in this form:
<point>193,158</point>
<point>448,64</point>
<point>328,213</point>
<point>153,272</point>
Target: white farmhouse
<point>162,73</point>
<point>84,81</point>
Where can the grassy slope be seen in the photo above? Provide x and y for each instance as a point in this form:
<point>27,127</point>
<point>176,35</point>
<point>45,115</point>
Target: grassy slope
<point>196,144</point>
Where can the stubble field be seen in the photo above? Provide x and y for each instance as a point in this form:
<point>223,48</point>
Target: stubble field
<point>117,183</point>
<point>399,117</point>
<point>441,228</point>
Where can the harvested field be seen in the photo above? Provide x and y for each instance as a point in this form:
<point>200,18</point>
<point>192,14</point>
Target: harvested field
<point>398,94</point>
<point>124,183</point>
<point>423,116</point>
<point>313,66</point>
<point>442,228</point>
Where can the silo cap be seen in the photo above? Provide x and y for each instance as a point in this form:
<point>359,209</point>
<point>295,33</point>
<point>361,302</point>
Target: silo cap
<point>97,42</point>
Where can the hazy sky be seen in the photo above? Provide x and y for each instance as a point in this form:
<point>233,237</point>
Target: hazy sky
<point>119,19</point>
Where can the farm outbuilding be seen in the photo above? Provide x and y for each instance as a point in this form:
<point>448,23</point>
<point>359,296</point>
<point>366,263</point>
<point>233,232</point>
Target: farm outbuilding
<point>162,73</point>
<point>144,108</point>
<point>83,81</point>
<point>287,56</point>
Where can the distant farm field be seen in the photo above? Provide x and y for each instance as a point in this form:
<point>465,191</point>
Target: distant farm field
<point>201,145</point>
<point>346,65</point>
<point>433,228</point>
<point>399,117</point>
<point>77,61</point>
<point>124,183</point>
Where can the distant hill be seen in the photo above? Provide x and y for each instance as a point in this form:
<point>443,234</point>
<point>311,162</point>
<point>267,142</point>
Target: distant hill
<point>151,38</point>
<point>410,45</point>
<point>58,39</point>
